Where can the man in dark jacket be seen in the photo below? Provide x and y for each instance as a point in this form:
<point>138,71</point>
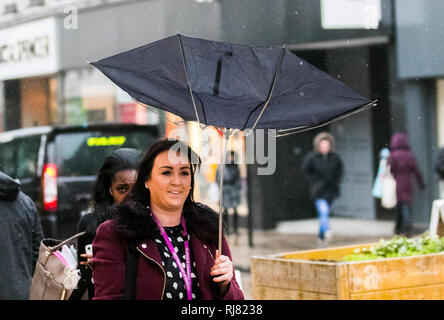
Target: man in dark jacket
<point>403,167</point>
<point>323,170</point>
<point>20,236</point>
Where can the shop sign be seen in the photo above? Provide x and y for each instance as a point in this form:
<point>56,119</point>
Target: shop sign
<point>28,49</point>
<point>351,14</point>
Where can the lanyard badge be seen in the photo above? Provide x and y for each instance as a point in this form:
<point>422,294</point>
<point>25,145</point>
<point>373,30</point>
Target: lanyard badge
<point>186,274</point>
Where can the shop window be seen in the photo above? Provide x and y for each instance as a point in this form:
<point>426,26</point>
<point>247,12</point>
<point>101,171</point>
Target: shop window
<point>96,115</point>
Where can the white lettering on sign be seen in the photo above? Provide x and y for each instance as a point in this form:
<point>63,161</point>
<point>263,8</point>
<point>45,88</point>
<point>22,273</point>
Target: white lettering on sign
<point>25,50</point>
<point>29,49</point>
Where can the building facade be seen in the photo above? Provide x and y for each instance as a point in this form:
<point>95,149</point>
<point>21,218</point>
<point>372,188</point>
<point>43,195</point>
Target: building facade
<point>387,50</point>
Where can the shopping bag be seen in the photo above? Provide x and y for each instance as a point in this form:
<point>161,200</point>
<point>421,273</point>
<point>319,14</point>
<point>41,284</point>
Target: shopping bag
<point>377,185</point>
<point>56,274</point>
<point>213,192</point>
<point>389,199</point>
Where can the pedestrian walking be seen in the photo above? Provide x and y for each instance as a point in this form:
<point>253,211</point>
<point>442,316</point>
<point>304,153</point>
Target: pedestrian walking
<point>323,168</point>
<point>439,168</point>
<point>403,166</point>
<point>114,180</point>
<point>20,237</point>
<point>231,189</point>
<point>172,239</point>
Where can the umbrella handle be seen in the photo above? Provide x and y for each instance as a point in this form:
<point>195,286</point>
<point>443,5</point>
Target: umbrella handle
<point>224,141</point>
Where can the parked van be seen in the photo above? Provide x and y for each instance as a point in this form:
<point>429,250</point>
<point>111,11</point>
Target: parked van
<point>57,166</point>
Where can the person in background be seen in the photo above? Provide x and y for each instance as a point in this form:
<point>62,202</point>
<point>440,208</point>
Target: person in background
<point>403,166</point>
<point>231,192</point>
<point>114,180</point>
<point>172,239</point>
<point>323,170</point>
<point>439,168</point>
<point>20,237</point>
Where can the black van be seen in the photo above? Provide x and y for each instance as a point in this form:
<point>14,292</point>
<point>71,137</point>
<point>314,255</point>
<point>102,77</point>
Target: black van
<point>57,166</point>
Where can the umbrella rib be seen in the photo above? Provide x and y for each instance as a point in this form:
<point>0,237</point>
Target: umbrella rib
<point>271,89</point>
<point>188,82</point>
<point>306,128</point>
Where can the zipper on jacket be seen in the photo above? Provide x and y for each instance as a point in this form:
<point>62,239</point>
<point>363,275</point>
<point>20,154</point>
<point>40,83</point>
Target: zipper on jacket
<point>209,251</point>
<point>164,274</point>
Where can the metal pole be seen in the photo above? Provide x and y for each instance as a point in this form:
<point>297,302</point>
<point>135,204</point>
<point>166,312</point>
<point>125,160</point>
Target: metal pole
<point>224,142</point>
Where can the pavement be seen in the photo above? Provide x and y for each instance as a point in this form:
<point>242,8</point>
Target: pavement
<point>300,235</point>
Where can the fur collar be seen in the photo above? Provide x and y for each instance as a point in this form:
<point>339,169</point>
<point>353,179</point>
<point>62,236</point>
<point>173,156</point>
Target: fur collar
<point>133,221</point>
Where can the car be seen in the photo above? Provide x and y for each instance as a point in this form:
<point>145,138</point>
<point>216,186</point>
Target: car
<point>57,165</point>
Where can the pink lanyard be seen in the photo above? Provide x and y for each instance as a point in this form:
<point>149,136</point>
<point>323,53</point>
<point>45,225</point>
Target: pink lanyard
<point>185,275</point>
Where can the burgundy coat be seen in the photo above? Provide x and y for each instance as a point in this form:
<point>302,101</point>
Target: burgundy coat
<point>403,166</point>
<point>109,264</point>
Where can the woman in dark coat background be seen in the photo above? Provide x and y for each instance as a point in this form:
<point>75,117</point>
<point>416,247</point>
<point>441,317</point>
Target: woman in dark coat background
<point>403,166</point>
<point>323,170</point>
<point>172,238</point>
<point>231,191</point>
<point>114,180</point>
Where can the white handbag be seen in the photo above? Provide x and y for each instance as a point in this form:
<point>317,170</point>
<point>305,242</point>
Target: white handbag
<point>389,199</point>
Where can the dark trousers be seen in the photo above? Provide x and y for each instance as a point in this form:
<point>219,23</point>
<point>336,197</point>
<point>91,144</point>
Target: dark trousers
<point>403,219</point>
<point>235,221</point>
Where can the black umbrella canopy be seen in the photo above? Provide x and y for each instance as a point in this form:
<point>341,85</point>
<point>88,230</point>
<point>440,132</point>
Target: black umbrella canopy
<point>230,85</point>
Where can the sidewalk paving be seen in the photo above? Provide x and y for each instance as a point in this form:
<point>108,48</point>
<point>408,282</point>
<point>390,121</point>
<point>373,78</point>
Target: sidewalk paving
<point>301,235</point>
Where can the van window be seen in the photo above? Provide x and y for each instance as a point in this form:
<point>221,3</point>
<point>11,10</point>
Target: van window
<point>82,153</point>
<point>7,158</point>
<point>27,154</point>
<point>18,158</point>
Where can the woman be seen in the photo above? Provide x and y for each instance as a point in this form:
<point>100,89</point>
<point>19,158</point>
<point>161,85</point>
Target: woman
<point>175,238</point>
<point>114,180</point>
<point>323,170</point>
<point>231,191</point>
<point>403,166</point>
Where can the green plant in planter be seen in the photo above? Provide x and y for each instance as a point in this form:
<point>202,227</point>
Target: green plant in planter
<point>399,247</point>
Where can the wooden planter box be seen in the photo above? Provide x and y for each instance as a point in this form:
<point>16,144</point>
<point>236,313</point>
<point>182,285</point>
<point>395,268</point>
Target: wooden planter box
<point>302,276</point>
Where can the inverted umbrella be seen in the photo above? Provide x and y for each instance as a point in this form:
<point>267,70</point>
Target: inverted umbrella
<point>232,86</point>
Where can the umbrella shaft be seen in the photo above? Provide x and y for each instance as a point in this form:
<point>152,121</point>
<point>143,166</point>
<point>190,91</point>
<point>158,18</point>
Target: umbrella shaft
<point>221,180</point>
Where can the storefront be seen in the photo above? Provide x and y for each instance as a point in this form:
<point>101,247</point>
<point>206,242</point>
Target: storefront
<point>420,68</point>
<point>356,46</point>
<point>28,63</point>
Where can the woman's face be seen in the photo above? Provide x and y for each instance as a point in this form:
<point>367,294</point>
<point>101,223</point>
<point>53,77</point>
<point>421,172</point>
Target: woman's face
<point>324,146</point>
<point>170,181</point>
<point>122,184</point>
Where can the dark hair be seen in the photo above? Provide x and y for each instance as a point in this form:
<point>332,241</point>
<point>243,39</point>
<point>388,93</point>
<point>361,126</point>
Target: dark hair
<point>131,216</point>
<point>120,160</point>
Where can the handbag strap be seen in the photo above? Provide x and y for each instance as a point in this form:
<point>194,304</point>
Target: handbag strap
<point>69,240</point>
<point>131,272</point>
